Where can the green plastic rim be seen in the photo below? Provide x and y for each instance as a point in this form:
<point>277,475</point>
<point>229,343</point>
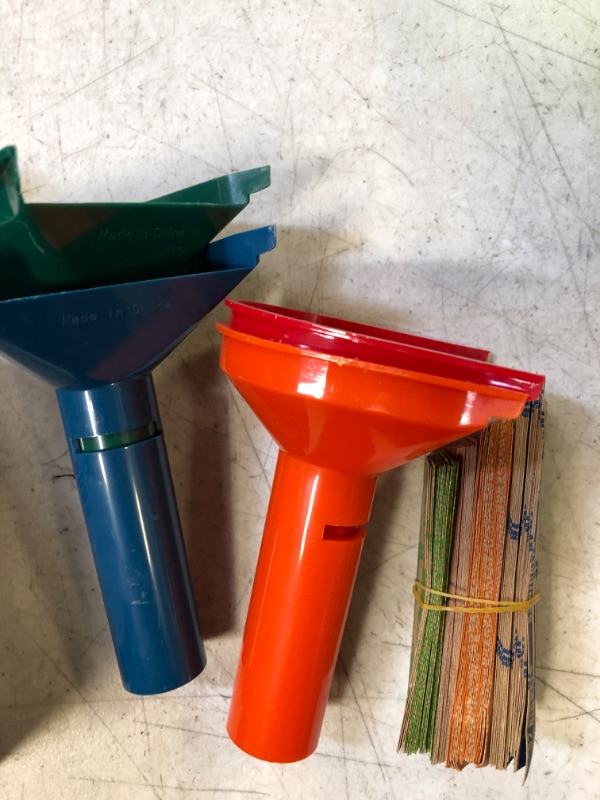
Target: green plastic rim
<point>110,441</point>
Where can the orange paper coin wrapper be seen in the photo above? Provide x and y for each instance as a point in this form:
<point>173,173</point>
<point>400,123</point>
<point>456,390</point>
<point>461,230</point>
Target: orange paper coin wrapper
<point>344,402</point>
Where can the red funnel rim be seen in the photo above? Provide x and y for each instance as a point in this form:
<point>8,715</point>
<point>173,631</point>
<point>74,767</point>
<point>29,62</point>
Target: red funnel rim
<point>351,340</point>
<point>292,324</point>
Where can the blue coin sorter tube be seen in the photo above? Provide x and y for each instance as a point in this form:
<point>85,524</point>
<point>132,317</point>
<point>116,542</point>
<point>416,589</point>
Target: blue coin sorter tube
<point>97,346</point>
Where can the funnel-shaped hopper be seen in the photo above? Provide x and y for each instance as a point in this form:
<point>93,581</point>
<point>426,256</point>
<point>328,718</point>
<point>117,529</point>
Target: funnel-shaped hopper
<point>362,404</point>
<point>97,346</point>
<point>48,247</point>
<point>108,333</point>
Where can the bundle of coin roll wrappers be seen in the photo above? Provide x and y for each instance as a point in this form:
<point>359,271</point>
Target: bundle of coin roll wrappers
<point>471,693</point>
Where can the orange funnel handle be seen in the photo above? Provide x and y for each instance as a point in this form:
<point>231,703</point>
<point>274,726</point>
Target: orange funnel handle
<point>306,570</point>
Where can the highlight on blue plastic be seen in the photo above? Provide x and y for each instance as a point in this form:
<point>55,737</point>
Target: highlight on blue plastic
<point>97,347</point>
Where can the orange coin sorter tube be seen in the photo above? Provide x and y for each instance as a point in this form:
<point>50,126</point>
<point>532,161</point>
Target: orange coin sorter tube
<point>344,402</point>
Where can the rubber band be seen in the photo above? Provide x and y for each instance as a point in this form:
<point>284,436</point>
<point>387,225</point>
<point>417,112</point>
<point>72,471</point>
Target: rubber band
<point>484,607</point>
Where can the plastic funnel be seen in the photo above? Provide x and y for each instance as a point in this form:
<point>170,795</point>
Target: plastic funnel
<point>339,421</point>
<point>97,347</point>
<point>47,247</point>
<point>97,344</point>
<point>390,348</point>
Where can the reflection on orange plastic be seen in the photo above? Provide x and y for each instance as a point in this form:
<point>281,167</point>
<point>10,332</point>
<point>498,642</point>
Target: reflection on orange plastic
<point>339,422</point>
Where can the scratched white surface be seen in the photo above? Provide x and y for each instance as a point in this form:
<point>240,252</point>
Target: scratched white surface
<point>435,167</point>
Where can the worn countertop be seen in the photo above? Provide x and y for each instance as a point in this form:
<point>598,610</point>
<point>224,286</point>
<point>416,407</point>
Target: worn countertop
<point>434,168</point>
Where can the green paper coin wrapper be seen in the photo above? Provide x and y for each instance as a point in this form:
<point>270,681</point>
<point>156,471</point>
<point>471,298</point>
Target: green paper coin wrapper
<point>471,693</point>
<point>92,298</point>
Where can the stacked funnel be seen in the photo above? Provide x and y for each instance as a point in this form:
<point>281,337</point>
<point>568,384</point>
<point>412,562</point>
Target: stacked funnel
<point>92,298</point>
<point>344,402</point>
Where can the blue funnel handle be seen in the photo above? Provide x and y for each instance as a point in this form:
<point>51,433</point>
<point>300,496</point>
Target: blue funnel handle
<point>122,471</point>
